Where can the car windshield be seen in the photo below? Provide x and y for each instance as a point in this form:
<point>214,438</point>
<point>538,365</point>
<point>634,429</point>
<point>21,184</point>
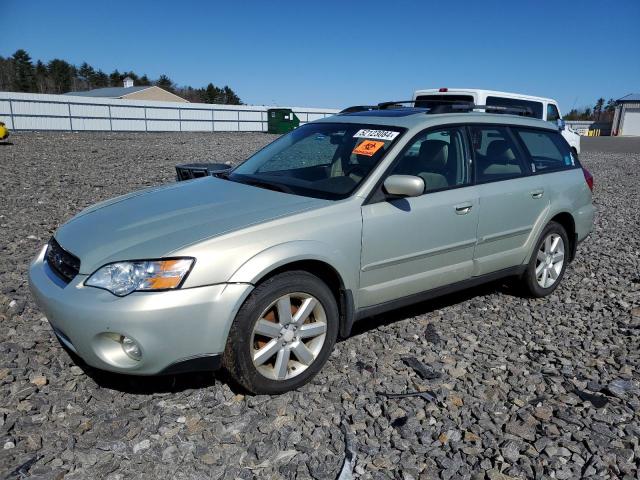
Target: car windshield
<point>321,160</point>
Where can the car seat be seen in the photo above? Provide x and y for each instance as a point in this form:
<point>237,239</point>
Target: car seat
<point>431,164</point>
<point>501,160</point>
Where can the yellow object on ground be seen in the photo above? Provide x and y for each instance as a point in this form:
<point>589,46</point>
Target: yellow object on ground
<point>4,131</point>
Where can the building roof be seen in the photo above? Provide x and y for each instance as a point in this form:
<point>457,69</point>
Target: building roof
<point>632,97</point>
<point>109,92</point>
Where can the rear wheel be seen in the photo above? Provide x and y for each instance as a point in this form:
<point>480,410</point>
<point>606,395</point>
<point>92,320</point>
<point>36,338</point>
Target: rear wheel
<point>548,262</point>
<point>283,334</point>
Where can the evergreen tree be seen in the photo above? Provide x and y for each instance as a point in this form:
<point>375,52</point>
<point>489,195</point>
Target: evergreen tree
<point>42,77</point>
<point>100,79</point>
<point>23,73</point>
<point>18,73</point>
<point>597,110</point>
<point>230,97</point>
<point>211,94</point>
<point>144,80</point>
<point>165,83</point>
<point>611,106</point>
<point>87,73</point>
<point>6,73</point>
<point>115,79</point>
<point>61,75</point>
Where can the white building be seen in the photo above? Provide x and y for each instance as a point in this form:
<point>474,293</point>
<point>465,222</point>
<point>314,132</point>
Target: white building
<point>626,120</point>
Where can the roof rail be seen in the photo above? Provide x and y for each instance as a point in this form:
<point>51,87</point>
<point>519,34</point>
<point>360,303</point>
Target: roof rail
<point>444,106</point>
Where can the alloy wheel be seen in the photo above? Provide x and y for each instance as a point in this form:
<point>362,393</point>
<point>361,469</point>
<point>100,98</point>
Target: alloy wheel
<point>550,260</point>
<point>288,336</point>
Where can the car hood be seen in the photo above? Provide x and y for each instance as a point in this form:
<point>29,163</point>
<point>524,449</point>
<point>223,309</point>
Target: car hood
<point>154,222</point>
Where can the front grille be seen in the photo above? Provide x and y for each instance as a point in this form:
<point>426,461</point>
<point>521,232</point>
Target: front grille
<point>64,265</point>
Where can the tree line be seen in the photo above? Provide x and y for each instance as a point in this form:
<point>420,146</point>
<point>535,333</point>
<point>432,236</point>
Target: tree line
<point>600,112</point>
<point>18,73</point>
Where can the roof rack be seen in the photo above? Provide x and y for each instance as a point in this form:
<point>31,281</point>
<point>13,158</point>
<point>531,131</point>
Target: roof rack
<point>444,106</point>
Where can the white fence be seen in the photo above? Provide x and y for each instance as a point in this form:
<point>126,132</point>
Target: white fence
<point>31,111</point>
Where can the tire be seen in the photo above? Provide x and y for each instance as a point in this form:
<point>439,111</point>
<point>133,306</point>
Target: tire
<point>534,280</point>
<point>255,353</point>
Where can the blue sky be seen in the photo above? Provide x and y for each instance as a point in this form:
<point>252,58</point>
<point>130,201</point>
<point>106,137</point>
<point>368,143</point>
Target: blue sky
<point>339,53</point>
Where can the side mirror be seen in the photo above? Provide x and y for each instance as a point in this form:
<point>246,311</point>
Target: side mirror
<point>561,124</point>
<point>404,185</point>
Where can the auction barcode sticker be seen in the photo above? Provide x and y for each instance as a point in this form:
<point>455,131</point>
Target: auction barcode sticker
<point>381,134</point>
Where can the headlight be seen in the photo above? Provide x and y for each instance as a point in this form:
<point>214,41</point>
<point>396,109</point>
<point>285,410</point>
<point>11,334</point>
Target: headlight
<point>122,278</point>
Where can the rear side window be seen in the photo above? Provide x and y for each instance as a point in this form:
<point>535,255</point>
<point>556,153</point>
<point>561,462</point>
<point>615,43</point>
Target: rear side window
<point>527,108</point>
<point>496,154</point>
<point>552,113</point>
<point>547,150</point>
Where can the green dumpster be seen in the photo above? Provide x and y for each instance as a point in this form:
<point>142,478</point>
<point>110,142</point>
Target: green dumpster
<point>281,120</point>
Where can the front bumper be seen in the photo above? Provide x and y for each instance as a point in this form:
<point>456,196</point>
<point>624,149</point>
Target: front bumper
<point>173,328</point>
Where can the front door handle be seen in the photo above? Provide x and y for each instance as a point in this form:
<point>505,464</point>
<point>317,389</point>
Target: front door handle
<point>463,209</point>
<point>539,193</point>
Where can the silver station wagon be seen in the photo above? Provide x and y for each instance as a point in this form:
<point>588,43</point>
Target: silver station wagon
<point>261,268</point>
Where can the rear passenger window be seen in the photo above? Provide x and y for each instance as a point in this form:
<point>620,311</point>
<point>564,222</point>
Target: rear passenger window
<point>548,150</point>
<point>438,157</point>
<point>496,155</point>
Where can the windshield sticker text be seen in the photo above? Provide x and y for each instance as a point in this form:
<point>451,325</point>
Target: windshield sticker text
<point>381,134</point>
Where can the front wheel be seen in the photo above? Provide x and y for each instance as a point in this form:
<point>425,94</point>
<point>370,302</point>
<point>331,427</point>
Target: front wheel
<point>283,334</point>
<point>548,262</point>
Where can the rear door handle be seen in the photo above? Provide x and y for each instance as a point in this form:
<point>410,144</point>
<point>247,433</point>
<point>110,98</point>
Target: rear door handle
<point>463,209</point>
<point>539,193</point>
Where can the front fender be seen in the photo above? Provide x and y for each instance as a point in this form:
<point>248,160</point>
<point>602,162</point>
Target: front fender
<point>270,259</point>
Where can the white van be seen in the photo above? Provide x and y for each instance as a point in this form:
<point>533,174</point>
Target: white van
<point>538,107</point>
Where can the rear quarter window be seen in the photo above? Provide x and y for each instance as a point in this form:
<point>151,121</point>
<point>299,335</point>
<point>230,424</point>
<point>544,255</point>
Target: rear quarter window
<point>547,150</point>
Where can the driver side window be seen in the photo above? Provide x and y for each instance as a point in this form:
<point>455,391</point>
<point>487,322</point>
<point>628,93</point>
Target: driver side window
<point>438,157</point>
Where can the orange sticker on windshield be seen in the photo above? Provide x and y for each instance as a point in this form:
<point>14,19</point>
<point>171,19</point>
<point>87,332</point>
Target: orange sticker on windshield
<point>368,148</point>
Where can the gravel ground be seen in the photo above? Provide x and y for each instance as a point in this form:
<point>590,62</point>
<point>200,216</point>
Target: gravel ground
<point>516,387</point>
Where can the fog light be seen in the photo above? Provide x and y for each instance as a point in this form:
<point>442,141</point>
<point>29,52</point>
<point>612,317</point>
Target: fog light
<point>131,347</point>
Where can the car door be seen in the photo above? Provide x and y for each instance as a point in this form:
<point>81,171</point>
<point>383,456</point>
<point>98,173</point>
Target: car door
<point>410,245</point>
<point>512,201</point>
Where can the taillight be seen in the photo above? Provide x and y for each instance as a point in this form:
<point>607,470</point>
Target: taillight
<point>443,90</point>
<point>588,178</point>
